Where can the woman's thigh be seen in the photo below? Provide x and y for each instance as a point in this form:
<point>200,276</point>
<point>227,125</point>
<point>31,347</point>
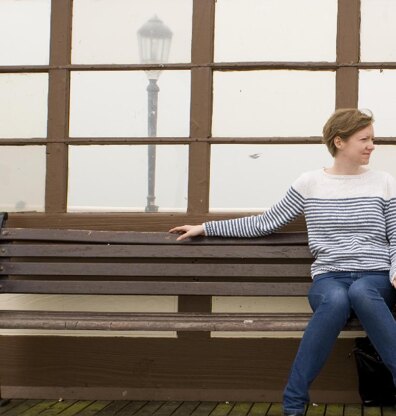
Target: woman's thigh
<point>330,290</point>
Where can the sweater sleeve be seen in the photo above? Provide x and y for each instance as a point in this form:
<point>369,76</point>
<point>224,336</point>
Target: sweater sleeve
<point>390,218</point>
<point>286,210</point>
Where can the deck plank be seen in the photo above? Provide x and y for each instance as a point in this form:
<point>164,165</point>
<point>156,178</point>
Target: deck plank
<point>186,409</point>
<point>275,409</point>
<point>259,409</point>
<point>94,408</point>
<point>168,408</point>
<point>76,407</point>
<point>372,411</point>
<point>148,409</point>
<point>10,405</point>
<point>58,407</point>
<point>334,410</point>
<point>388,411</point>
<point>204,409</point>
<point>316,410</point>
<point>22,407</point>
<point>113,407</point>
<point>241,409</point>
<point>40,407</point>
<point>353,410</point>
<point>131,408</point>
<point>222,409</point>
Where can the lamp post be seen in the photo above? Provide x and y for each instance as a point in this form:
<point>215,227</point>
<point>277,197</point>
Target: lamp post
<point>154,39</point>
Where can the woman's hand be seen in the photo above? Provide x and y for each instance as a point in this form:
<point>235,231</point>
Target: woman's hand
<point>188,231</point>
<point>394,282</point>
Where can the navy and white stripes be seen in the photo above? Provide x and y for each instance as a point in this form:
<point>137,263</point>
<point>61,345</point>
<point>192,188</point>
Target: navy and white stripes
<point>351,220</point>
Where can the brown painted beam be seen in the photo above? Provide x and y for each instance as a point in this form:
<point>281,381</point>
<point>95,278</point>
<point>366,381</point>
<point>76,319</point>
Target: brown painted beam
<point>348,52</point>
<point>58,107</point>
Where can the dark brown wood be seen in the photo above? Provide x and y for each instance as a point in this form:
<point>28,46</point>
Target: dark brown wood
<point>182,140</point>
<point>147,368</point>
<point>348,52</point>
<point>126,222</point>
<point>162,288</point>
<point>158,321</point>
<point>58,107</point>
<point>201,105</point>
<point>348,32</point>
<point>131,237</point>
<point>113,270</point>
<point>147,251</point>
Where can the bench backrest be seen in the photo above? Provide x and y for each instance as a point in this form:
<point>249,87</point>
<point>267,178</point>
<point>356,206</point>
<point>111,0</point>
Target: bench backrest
<point>114,262</point>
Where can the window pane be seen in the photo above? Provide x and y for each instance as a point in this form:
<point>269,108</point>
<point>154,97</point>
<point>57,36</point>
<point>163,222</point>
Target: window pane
<point>377,92</point>
<point>106,31</point>
<point>115,104</point>
<point>272,103</point>
<point>254,177</point>
<point>275,30</point>
<point>23,105</point>
<point>22,172</point>
<point>378,30</point>
<point>115,178</point>
<point>384,159</point>
<point>25,32</point>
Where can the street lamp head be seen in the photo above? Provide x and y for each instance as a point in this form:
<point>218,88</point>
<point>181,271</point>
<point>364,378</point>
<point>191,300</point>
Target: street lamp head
<point>154,39</point>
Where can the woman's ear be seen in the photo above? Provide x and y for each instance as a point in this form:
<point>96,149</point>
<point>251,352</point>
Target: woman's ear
<point>338,142</point>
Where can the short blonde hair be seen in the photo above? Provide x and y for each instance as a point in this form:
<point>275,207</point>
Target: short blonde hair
<point>343,123</point>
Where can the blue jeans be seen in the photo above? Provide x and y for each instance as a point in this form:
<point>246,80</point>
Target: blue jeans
<point>332,297</point>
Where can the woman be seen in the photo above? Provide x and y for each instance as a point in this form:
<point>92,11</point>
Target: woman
<point>350,213</point>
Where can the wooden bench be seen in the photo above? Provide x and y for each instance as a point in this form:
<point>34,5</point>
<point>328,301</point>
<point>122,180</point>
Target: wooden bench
<point>48,261</point>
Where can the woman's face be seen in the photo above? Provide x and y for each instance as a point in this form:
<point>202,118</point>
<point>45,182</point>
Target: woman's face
<point>358,148</point>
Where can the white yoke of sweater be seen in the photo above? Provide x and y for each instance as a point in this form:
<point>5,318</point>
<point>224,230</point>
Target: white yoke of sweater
<point>351,220</point>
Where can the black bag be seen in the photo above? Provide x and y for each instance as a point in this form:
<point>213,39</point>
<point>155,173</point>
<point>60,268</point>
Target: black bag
<point>376,386</point>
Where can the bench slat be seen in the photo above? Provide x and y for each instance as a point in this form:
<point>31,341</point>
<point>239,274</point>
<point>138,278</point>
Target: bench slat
<point>154,288</point>
<point>157,321</point>
<point>155,251</point>
<point>155,269</point>
<point>131,237</point>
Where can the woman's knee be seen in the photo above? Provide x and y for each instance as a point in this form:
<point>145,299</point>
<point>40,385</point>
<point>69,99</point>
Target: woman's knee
<point>335,298</point>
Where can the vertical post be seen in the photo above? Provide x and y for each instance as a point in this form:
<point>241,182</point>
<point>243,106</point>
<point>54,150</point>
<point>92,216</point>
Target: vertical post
<point>348,52</point>
<point>152,94</point>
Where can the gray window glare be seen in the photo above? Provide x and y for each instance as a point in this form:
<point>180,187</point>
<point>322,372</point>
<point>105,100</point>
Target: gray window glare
<point>116,103</point>
<point>25,32</point>
<point>115,178</point>
<point>275,30</point>
<point>23,105</point>
<point>107,31</point>
<point>22,172</point>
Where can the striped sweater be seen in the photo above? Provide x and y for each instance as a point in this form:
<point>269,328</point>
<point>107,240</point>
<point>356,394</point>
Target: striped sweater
<point>351,220</point>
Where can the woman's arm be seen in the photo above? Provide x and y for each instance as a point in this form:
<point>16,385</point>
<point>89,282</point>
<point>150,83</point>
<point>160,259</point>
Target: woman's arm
<point>289,208</point>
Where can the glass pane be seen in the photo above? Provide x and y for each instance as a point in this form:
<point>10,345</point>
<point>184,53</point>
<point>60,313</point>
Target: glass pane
<point>275,30</point>
<point>384,159</point>
<point>22,173</point>
<point>115,104</point>
<point>377,92</point>
<point>115,178</point>
<point>254,177</point>
<point>106,31</point>
<point>378,30</point>
<point>25,32</point>
<point>23,105</point>
<point>272,103</point>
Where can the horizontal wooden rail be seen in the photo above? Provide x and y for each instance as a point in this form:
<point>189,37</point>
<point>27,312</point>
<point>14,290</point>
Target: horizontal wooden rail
<point>131,237</point>
<point>159,288</point>
<point>157,321</point>
<point>176,251</point>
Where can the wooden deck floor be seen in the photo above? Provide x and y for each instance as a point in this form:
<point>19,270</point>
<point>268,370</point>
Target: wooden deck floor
<point>137,408</point>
